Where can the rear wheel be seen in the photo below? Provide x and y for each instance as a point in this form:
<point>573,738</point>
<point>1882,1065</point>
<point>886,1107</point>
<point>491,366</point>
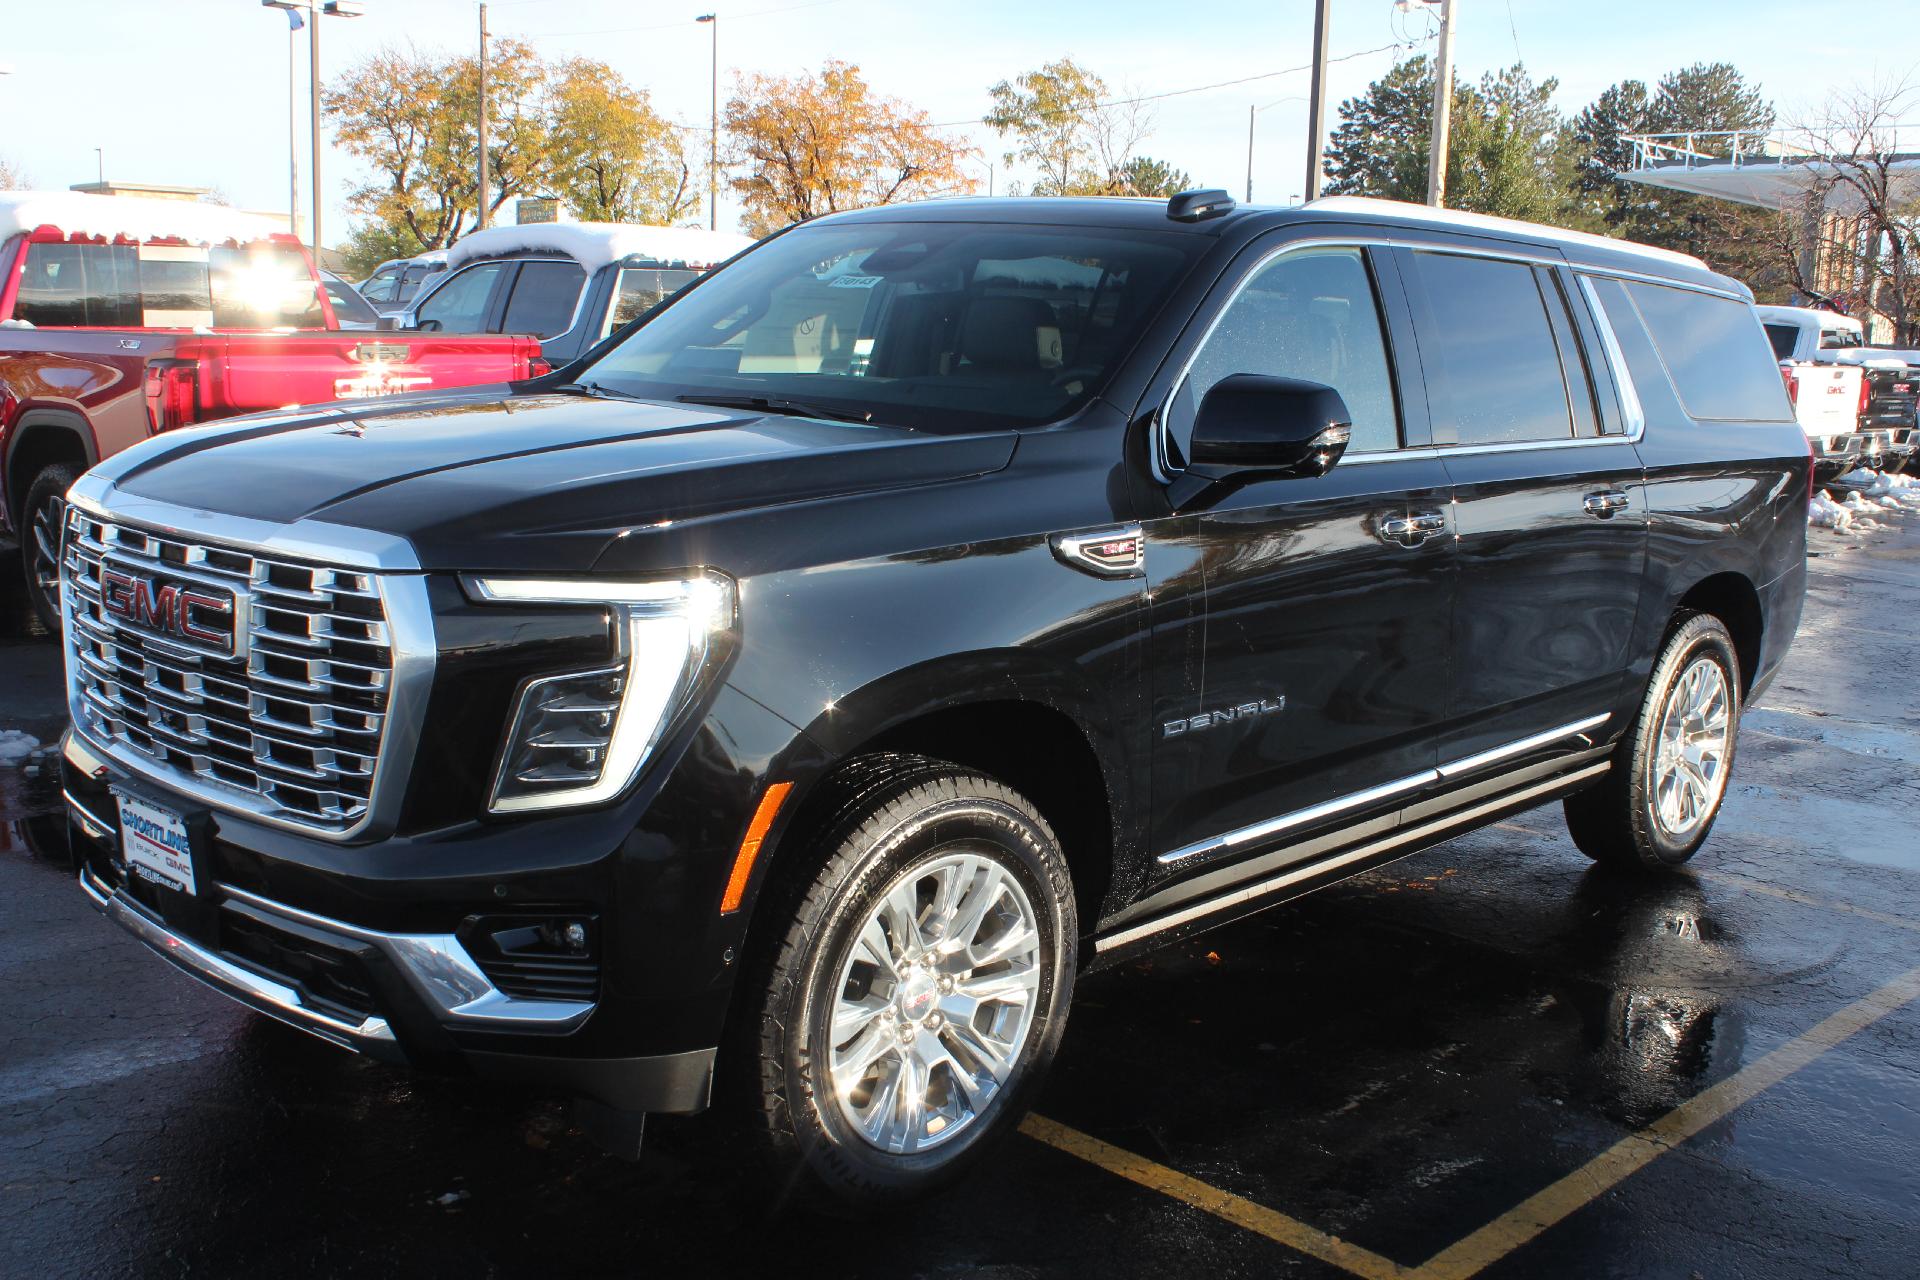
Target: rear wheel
<point>1670,772</point>
<point>42,516</point>
<point>922,984</point>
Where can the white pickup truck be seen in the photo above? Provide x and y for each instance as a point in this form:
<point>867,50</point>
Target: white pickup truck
<point>1843,388</point>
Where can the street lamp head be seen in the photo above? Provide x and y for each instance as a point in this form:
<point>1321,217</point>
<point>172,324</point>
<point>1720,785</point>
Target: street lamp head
<point>344,8</point>
<point>707,17</point>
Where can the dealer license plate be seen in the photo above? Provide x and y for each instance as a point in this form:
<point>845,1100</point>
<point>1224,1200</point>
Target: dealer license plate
<point>156,844</point>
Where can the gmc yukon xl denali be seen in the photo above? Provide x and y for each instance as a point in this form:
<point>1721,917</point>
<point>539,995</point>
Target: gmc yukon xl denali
<point>933,603</point>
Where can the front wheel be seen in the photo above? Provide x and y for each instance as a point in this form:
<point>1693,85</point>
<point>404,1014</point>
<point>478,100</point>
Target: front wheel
<point>922,984</point>
<point>42,516</point>
<point>1670,772</point>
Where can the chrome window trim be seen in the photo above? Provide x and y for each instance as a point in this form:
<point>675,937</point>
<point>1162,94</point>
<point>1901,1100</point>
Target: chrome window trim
<point>1242,894</point>
<point>409,616</point>
<point>1158,460</point>
<point>1445,772</point>
<point>1631,412</point>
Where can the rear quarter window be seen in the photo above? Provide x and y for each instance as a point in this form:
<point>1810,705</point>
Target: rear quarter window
<point>1721,364</point>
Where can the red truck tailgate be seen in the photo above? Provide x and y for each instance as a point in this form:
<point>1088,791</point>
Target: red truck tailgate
<point>244,373</point>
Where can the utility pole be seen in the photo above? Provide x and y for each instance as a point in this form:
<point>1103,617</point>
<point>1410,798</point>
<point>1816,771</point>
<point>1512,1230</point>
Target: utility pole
<point>313,72</point>
<point>1317,108</point>
<point>294,23</point>
<point>1442,106</point>
<point>1250,110</point>
<point>713,139</point>
<point>485,187</point>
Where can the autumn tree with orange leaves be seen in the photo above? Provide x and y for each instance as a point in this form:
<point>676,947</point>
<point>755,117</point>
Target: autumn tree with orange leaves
<point>811,145</point>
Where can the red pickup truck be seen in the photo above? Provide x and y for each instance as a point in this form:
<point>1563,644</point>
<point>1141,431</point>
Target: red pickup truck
<point>122,317</point>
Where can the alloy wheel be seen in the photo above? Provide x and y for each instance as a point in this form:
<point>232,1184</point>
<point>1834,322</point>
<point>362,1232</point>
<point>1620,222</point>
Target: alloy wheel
<point>44,567</point>
<point>934,1002</point>
<point>1690,759</point>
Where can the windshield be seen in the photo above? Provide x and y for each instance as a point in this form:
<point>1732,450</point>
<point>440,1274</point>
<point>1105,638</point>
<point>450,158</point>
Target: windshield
<point>939,326</point>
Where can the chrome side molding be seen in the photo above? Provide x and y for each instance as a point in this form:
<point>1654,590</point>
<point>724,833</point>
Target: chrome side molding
<point>1385,791</point>
<point>1409,836</point>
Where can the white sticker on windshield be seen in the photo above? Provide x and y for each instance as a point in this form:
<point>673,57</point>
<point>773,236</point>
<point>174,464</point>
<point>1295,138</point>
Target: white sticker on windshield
<point>855,282</point>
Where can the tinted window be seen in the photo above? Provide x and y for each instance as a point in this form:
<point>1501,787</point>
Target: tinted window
<point>264,286</point>
<point>1782,337</point>
<point>936,326</point>
<point>460,303</point>
<point>93,285</point>
<point>378,287</point>
<point>1309,314</point>
<point>1839,339</point>
<point>411,278</point>
<point>1493,368</point>
<point>544,294</point>
<point>1714,353</point>
<point>640,288</point>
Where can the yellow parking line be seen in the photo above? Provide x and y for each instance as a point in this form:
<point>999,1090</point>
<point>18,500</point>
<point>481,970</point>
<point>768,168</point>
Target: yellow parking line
<point>1598,1176</point>
<point>1807,899</point>
<point>1259,1219</point>
<point>1532,1216</point>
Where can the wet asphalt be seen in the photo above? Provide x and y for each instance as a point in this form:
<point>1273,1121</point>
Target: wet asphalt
<point>1396,1062</point>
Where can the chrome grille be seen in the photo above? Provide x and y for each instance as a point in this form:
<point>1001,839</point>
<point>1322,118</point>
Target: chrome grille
<point>292,721</point>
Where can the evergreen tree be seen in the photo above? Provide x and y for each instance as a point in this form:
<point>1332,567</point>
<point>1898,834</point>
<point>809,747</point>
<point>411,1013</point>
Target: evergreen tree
<point>1380,146</point>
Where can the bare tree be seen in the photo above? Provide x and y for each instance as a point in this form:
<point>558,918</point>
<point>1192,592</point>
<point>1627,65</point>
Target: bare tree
<point>11,179</point>
<point>1868,201</point>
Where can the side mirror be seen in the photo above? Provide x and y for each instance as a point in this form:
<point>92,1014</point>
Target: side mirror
<point>427,326</point>
<point>1252,425</point>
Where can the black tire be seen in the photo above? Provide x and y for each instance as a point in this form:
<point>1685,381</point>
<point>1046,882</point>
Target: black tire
<point>1615,823</point>
<point>888,817</point>
<point>43,514</point>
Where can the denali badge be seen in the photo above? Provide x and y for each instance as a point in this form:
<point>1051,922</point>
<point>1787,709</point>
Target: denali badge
<point>1227,715</point>
<point>1111,553</point>
<point>170,610</point>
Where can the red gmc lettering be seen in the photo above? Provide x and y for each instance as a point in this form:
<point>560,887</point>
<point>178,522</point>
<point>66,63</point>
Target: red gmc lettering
<point>168,609</point>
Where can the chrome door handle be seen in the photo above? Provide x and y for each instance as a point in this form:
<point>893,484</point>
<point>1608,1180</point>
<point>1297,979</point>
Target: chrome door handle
<point>1605,503</point>
<point>1411,531</point>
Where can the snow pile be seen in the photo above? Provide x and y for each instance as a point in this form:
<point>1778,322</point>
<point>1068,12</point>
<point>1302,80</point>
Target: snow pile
<point>1889,492</point>
<point>136,218</point>
<point>595,244</point>
<point>16,746</point>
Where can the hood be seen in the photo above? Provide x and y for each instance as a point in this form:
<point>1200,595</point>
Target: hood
<point>534,482</point>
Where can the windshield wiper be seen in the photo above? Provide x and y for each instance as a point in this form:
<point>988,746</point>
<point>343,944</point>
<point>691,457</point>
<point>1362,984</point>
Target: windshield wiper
<point>596,390</point>
<point>775,404</point>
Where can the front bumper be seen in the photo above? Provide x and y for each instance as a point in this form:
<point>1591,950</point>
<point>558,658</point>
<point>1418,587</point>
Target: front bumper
<point>386,968</point>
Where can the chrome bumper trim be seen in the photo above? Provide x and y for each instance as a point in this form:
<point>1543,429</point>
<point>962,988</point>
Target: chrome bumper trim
<point>90,822</point>
<point>263,994</point>
<point>443,972</point>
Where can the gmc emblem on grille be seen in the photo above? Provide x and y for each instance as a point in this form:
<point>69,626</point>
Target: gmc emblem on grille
<point>183,611</point>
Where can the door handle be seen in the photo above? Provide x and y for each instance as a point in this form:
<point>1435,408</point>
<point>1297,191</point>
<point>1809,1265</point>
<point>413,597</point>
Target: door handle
<point>1605,503</point>
<point>1412,530</point>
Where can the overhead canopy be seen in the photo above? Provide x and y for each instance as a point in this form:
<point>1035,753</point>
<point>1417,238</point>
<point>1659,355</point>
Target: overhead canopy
<point>1771,171</point>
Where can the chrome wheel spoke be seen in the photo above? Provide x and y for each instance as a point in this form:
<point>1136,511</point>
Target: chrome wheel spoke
<point>1692,744</point>
<point>936,999</point>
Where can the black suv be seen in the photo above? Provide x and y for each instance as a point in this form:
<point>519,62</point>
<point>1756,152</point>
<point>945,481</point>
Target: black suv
<point>939,600</point>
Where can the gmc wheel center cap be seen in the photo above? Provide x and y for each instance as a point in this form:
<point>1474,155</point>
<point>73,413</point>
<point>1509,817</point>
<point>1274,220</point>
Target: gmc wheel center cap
<point>917,995</point>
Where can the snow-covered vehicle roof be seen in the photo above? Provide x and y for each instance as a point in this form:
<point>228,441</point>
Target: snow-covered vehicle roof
<point>595,244</point>
<point>136,218</point>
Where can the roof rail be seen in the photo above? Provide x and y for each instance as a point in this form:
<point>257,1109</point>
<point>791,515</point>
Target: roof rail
<point>1203,202</point>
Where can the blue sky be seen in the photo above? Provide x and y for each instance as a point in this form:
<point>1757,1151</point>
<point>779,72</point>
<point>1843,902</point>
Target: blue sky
<point>195,91</point>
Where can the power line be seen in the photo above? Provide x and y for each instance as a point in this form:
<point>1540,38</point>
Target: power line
<point>667,26</point>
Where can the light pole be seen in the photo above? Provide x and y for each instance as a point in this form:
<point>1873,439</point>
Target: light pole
<point>1315,123</point>
<point>313,11</point>
<point>713,141</point>
<point>485,181</point>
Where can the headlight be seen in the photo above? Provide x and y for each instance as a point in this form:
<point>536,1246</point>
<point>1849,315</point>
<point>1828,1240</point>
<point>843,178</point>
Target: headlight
<point>581,737</point>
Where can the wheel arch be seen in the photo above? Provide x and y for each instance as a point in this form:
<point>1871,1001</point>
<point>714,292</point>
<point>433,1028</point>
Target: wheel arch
<point>40,438</point>
<point>1732,598</point>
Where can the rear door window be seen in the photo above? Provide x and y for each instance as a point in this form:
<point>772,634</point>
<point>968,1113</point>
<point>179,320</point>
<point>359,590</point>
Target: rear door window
<point>1494,369</point>
<point>1782,337</point>
<point>544,296</point>
<point>639,289</point>
<point>1714,351</point>
<point>1310,314</point>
